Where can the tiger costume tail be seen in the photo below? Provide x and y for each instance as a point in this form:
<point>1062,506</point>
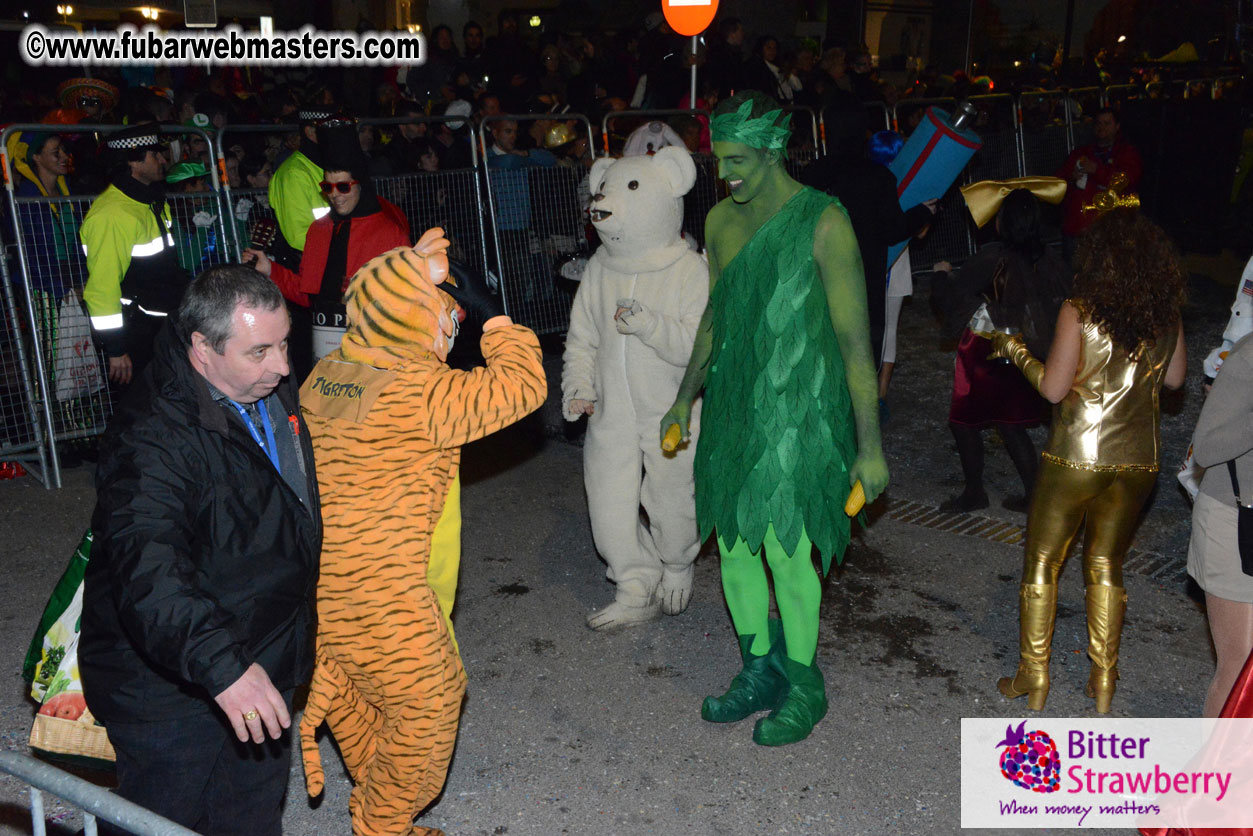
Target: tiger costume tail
<point>388,418</point>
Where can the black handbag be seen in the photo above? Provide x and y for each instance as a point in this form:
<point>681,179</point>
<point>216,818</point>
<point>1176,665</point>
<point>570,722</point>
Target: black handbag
<point>1244,525</point>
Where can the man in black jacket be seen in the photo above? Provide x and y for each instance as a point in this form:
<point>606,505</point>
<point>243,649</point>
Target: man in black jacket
<point>198,605</point>
<point>868,192</point>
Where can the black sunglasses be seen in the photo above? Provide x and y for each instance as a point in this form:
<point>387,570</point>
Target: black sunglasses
<point>342,188</point>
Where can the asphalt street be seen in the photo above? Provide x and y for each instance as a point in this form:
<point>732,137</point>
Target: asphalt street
<point>566,731</point>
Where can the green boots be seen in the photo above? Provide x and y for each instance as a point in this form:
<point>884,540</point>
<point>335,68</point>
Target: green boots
<point>801,709</point>
<point>794,694</point>
<point>758,687</point>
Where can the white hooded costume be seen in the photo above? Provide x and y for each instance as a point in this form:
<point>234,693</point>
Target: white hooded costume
<point>631,332</point>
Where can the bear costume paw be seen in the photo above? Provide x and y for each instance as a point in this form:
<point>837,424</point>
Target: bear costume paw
<point>675,590</point>
<point>617,614</point>
<point>635,604</point>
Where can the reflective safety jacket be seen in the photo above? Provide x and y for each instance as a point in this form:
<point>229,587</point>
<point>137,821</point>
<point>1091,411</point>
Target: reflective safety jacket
<point>132,263</point>
<point>296,196</point>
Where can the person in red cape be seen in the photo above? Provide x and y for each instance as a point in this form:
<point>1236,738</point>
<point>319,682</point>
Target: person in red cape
<point>359,227</point>
<point>1239,704</point>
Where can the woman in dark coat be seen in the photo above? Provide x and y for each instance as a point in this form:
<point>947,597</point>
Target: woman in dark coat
<point>1022,286</point>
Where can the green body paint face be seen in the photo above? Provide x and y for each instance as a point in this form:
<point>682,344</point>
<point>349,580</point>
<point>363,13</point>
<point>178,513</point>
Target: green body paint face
<point>745,169</point>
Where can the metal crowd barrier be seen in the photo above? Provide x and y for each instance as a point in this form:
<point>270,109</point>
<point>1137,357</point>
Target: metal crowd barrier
<point>231,197</point>
<point>1227,86</point>
<point>514,224</point>
<point>881,119</point>
<point>1117,93</point>
<point>643,116</point>
<point>996,122</point>
<point>1081,103</point>
<point>451,199</point>
<point>38,342</point>
<point>23,423</point>
<point>801,153</point>
<point>703,194</point>
<point>796,127</point>
<point>949,238</point>
<point>95,802</point>
<point>1043,125</point>
<point>537,219</point>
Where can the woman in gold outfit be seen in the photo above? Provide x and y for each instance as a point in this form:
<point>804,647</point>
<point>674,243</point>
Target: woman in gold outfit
<point>1118,341</point>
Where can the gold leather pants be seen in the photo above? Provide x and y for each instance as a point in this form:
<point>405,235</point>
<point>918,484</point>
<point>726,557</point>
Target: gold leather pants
<point>1111,502</point>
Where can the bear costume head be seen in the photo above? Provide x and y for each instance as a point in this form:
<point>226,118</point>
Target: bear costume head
<point>637,208</point>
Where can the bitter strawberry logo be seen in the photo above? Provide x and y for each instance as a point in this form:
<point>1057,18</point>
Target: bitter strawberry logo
<point>1030,759</point>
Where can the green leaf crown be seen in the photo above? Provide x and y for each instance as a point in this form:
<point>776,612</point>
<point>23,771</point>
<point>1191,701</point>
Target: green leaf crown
<point>761,132</point>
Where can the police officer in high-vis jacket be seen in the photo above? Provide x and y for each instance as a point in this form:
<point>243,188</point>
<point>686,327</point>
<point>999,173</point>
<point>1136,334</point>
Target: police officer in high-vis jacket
<point>297,200</point>
<point>133,277</point>
<point>295,194</point>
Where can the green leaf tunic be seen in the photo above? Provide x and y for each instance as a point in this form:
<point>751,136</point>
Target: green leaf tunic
<point>777,433</point>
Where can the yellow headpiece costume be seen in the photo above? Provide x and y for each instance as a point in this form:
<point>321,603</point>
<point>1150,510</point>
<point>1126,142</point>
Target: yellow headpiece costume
<point>985,197</point>
<point>1113,197</point>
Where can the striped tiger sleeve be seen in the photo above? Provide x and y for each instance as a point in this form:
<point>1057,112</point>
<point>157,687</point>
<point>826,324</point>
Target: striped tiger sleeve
<point>464,406</point>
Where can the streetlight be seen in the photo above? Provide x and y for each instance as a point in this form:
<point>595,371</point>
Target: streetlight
<point>535,21</point>
<point>64,12</point>
<point>149,13</point>
<point>1122,39</point>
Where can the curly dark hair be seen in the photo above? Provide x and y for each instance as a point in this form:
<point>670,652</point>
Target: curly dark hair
<point>1128,278</point>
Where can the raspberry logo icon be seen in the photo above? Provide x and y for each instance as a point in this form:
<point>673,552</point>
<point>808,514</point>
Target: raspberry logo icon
<point>1030,759</point>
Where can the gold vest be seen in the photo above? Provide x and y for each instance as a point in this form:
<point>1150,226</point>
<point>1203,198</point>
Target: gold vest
<point>1110,418</point>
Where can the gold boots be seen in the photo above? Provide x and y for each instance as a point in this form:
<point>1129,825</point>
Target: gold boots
<point>1106,606</point>
<point>1038,611</point>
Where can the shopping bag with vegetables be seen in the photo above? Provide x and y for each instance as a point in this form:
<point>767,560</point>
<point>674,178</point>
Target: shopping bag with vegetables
<point>64,726</point>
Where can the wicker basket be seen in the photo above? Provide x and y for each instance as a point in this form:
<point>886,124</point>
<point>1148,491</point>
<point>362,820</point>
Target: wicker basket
<point>79,739</point>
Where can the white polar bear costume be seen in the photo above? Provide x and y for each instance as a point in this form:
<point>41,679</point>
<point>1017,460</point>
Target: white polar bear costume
<point>631,331</point>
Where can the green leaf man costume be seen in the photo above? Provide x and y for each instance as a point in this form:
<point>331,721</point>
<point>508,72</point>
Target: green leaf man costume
<point>790,417</point>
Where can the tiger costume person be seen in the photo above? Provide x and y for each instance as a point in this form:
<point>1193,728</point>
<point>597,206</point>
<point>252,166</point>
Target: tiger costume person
<point>388,418</point>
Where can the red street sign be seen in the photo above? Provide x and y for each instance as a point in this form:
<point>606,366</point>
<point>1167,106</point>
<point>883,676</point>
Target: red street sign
<point>689,17</point>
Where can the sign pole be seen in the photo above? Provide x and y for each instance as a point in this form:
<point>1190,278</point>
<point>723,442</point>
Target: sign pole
<point>691,102</point>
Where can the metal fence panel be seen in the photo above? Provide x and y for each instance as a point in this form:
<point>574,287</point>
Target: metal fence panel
<point>200,230</point>
<point>47,343</point>
<point>1045,139</point>
<point>880,118</point>
<point>1082,105</point>
<point>628,120</point>
<point>798,159</point>
<point>250,208</point>
<point>22,421</point>
<point>95,802</point>
<point>949,238</point>
<point>702,197</point>
<point>538,221</point>
<point>447,199</point>
<point>538,218</point>
<point>996,123</point>
<point>54,263</point>
<point>1116,94</point>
